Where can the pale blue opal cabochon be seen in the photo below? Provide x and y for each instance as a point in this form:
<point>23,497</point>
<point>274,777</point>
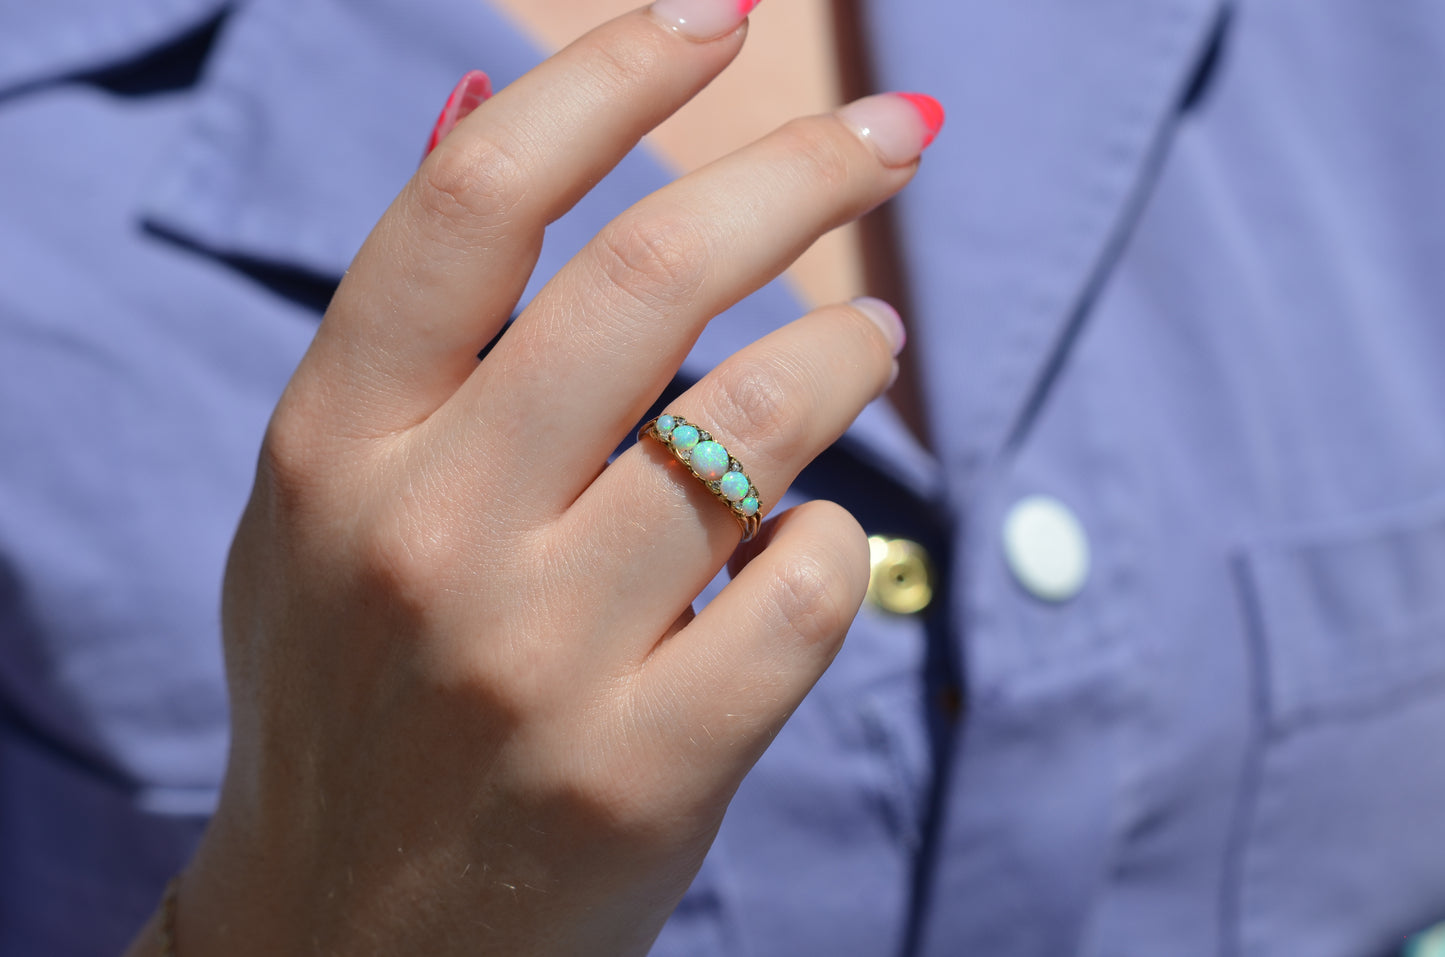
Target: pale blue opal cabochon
<point>734,486</point>
<point>709,460</point>
<point>684,437</point>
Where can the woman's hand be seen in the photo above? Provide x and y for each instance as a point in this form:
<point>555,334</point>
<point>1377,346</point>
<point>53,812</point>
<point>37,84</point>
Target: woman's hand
<point>472,710</point>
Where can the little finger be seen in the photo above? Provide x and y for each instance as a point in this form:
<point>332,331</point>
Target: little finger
<point>729,680</point>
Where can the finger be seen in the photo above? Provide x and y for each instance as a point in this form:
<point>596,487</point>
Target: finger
<point>594,348</point>
<point>636,298</point>
<point>733,676</point>
<point>443,269</point>
<point>774,406</point>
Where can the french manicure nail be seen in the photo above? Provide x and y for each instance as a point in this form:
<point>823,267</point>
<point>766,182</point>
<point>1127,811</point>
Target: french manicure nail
<point>899,126</point>
<point>474,89</point>
<point>703,19</point>
<point>885,317</point>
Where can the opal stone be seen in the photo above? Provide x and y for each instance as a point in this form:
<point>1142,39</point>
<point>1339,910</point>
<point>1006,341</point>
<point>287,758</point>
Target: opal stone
<point>709,460</point>
<point>684,437</point>
<point>748,506</point>
<point>734,486</point>
<point>664,424</point>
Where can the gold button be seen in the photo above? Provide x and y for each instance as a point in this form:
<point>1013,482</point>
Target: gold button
<point>901,580</point>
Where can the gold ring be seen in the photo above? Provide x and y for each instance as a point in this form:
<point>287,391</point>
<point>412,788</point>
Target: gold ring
<point>713,465</point>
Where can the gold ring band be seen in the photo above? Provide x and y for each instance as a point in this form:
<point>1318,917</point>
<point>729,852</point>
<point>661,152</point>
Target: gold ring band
<point>713,466</point>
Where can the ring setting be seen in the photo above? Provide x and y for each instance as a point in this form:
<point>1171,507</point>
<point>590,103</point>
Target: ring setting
<point>712,464</point>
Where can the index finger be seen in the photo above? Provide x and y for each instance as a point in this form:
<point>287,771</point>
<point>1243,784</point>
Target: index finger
<point>443,269</point>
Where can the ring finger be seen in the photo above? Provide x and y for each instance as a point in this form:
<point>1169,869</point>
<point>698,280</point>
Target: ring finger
<point>773,406</point>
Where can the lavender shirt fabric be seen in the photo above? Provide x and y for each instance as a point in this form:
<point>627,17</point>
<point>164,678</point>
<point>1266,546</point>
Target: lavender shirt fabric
<point>1176,263</point>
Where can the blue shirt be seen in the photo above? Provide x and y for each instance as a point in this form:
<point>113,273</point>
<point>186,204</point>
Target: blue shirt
<point>1175,263</point>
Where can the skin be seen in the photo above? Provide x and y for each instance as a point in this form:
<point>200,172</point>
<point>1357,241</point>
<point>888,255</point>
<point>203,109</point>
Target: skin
<point>791,66</point>
<point>472,709</point>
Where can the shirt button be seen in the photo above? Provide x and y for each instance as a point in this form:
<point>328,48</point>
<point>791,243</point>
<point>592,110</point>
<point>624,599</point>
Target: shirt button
<point>1046,548</point>
<point>901,579</point>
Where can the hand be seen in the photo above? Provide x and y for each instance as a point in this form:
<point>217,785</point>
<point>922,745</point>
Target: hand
<point>472,709</point>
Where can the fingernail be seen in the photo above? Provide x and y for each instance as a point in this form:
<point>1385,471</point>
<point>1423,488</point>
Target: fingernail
<point>474,89</point>
<point>703,19</point>
<point>885,317</point>
<point>899,126</point>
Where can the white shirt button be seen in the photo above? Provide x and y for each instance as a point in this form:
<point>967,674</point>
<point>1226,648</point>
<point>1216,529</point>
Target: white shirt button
<point>1046,548</point>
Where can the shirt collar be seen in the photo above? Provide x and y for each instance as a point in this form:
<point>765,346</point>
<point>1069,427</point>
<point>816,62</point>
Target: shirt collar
<point>312,113</point>
<point>46,39</point>
<point>310,116</point>
<point>1059,113</point>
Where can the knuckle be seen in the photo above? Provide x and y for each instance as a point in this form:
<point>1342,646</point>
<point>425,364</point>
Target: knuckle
<point>616,803</point>
<point>752,400</point>
<point>292,464</point>
<point>471,185</point>
<point>641,802</point>
<point>400,566</point>
<point>658,261</point>
<point>818,148</point>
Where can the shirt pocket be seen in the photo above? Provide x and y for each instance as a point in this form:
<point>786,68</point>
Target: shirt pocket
<point>1340,840</point>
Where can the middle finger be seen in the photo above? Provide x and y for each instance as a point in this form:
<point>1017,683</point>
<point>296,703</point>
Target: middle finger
<point>604,337</point>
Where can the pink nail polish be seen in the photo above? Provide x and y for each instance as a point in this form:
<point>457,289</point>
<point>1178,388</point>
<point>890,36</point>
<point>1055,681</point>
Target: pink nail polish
<point>474,89</point>
<point>929,110</point>
<point>899,126</point>
<point>703,19</point>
